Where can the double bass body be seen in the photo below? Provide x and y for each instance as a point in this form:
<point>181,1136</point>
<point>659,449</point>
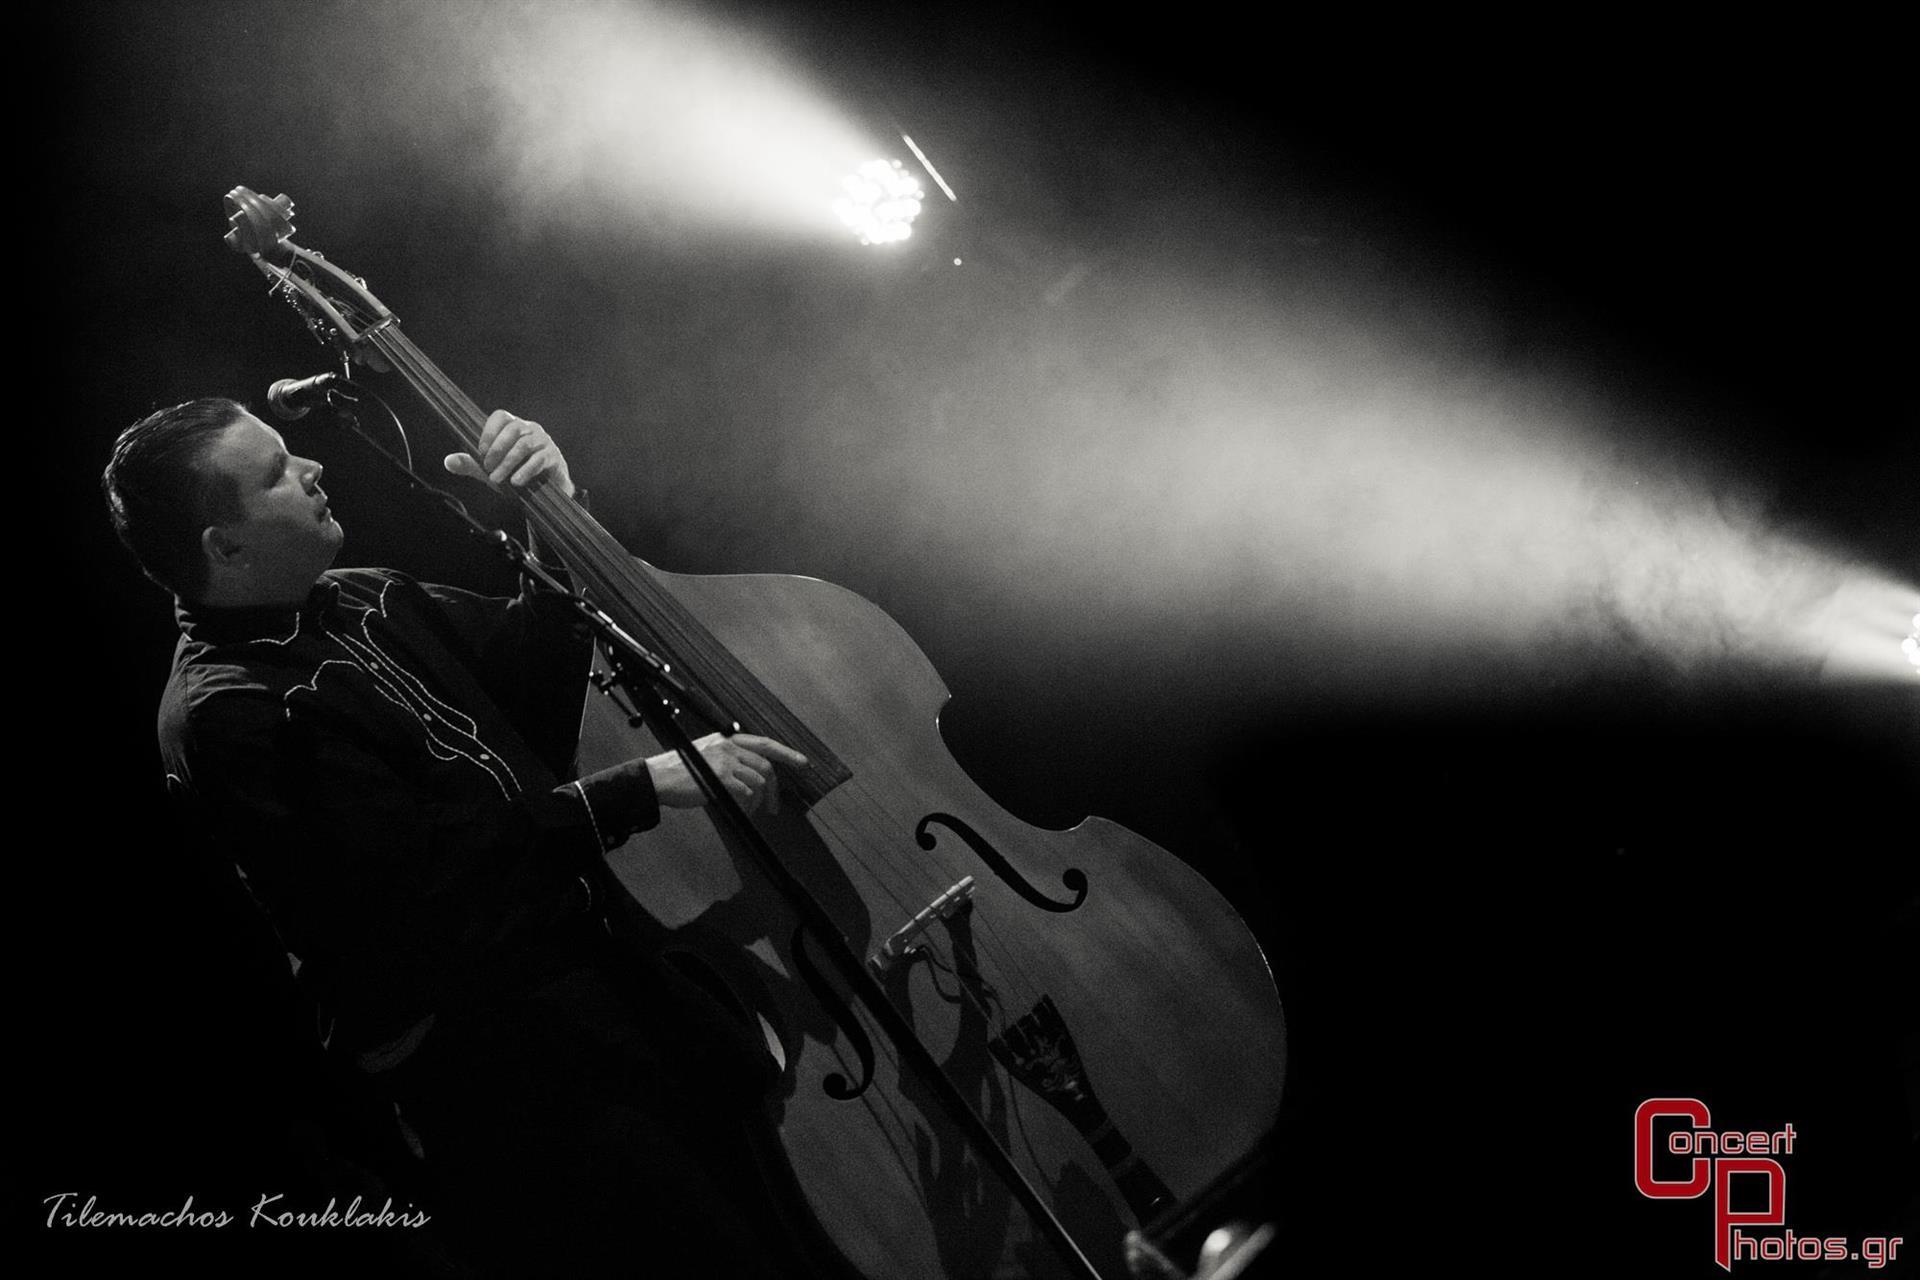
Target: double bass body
<point>1099,1003</point>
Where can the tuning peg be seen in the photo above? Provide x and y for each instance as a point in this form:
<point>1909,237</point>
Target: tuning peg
<point>258,226</point>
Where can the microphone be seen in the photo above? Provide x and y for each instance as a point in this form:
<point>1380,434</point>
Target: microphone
<point>291,399</point>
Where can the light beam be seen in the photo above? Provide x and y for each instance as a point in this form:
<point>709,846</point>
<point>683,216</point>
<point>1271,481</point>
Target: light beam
<point>606,115</point>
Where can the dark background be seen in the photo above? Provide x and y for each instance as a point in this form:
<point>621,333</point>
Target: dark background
<point>1498,921</point>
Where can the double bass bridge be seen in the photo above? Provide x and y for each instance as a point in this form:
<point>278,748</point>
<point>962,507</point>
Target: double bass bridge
<point>903,939</point>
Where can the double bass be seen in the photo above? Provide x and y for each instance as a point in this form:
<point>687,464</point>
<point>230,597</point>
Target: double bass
<point>1001,1047</point>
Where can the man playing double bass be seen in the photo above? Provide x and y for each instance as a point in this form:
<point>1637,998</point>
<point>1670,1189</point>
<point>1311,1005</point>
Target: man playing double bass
<point>389,764</point>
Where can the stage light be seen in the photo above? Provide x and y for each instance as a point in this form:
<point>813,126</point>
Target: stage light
<point>1911,645</point>
<point>880,202</point>
<point>1851,630</point>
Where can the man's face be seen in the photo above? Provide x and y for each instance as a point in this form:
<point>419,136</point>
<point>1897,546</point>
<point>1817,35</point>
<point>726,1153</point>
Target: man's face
<point>285,537</point>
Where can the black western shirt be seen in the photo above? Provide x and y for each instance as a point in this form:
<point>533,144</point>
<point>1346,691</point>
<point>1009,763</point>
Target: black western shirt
<point>383,764</point>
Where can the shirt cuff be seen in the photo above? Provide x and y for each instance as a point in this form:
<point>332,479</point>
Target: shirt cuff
<point>619,801</point>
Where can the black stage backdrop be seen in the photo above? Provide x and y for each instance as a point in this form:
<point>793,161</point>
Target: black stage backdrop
<point>1500,914</point>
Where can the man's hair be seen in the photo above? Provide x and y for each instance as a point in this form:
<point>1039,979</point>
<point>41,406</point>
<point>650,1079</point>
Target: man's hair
<point>161,494</point>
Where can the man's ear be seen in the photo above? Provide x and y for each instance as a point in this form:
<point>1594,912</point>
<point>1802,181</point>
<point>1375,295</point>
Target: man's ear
<point>219,545</point>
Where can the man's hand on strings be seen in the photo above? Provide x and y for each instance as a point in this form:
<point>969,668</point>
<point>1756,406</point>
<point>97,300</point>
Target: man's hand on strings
<point>743,763</point>
<point>514,452</point>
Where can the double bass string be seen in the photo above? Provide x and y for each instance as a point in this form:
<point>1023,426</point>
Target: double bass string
<point>872,824</point>
<point>583,545</point>
<point>1133,969</point>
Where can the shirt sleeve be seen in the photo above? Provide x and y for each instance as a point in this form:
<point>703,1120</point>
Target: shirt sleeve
<point>619,801</point>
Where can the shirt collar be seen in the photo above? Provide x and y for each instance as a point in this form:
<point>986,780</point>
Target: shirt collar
<point>216,625</point>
